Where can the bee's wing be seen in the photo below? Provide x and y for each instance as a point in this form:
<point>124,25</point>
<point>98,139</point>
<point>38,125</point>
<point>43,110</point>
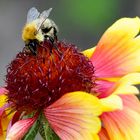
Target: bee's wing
<point>32,14</point>
<point>45,13</point>
<point>42,17</point>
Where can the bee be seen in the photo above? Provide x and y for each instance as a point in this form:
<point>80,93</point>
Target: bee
<point>38,28</point>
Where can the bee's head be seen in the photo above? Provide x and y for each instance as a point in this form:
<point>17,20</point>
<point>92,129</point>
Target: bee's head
<point>31,32</point>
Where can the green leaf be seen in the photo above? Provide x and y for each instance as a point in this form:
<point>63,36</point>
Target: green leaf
<point>32,132</point>
<point>45,131</point>
<point>30,135</point>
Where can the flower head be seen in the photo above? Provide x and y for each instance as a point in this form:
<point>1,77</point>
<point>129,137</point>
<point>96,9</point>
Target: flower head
<point>37,81</point>
<point>63,94</point>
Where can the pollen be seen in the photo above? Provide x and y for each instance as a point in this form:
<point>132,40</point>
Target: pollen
<point>35,82</point>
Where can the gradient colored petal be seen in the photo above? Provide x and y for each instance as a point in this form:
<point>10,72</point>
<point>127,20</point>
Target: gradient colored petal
<point>124,85</point>
<point>123,124</point>
<point>20,128</point>
<point>117,52</point>
<point>4,118</point>
<point>75,116</point>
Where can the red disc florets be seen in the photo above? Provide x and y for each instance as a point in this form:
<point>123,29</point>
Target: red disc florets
<point>36,81</point>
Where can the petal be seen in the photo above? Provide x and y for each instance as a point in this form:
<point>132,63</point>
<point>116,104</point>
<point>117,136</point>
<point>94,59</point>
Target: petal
<point>102,86</point>
<point>103,135</point>
<point>3,91</point>
<point>89,52</point>
<point>123,124</point>
<point>111,103</point>
<point>20,128</point>
<point>75,116</point>
<point>4,124</point>
<point>117,53</point>
<point>131,101</point>
<point>124,85</point>
<point>3,97</point>
<point>4,118</point>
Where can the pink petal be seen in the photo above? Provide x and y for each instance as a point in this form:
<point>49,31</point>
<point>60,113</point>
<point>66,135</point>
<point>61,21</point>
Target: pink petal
<point>20,128</point>
<point>14,119</point>
<point>3,90</point>
<point>102,87</point>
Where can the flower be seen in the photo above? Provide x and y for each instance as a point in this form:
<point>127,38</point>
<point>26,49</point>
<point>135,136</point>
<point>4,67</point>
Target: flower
<point>117,55</point>
<point>49,92</point>
<point>51,88</point>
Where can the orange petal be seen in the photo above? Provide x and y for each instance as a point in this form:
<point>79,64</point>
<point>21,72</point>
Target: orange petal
<point>75,116</point>
<point>117,53</point>
<point>123,124</point>
<point>20,128</point>
<point>103,135</point>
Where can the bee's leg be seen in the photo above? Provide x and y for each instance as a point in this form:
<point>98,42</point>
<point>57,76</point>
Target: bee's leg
<point>54,45</point>
<point>33,47</point>
<point>33,50</point>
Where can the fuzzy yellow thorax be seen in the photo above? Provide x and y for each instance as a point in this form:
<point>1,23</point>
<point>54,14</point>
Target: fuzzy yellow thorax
<point>29,32</point>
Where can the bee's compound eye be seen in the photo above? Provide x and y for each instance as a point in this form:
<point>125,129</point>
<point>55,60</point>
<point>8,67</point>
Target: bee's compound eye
<point>46,37</point>
<point>46,30</point>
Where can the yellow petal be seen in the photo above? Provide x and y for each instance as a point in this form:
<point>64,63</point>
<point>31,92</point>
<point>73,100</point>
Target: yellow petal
<point>124,26</point>
<point>89,52</point>
<point>2,100</point>
<point>3,97</point>
<point>111,103</point>
<point>125,84</point>
<point>126,90</point>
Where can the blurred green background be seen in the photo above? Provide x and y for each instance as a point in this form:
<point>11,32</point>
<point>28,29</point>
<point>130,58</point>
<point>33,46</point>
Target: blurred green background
<point>81,22</point>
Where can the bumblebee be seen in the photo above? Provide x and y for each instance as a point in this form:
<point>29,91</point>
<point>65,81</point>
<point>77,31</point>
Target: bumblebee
<point>38,28</point>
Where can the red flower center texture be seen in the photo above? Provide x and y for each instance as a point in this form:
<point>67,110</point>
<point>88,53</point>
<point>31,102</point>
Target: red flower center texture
<point>36,81</point>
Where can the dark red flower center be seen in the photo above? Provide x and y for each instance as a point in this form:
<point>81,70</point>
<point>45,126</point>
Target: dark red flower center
<point>36,81</point>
